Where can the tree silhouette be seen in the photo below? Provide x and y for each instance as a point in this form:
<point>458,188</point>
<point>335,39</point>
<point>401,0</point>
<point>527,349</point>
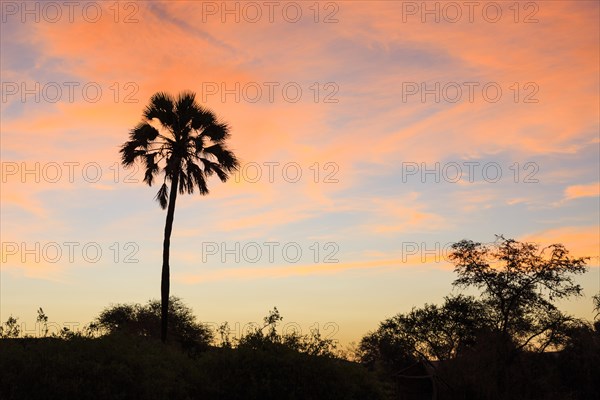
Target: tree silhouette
<point>186,145</point>
<point>428,333</point>
<point>143,320</point>
<point>495,346</point>
<point>519,283</point>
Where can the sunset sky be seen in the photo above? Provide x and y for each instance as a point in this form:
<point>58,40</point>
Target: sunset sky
<point>371,135</point>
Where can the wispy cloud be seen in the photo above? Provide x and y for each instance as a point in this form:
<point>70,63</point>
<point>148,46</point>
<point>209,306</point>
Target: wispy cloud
<point>578,191</point>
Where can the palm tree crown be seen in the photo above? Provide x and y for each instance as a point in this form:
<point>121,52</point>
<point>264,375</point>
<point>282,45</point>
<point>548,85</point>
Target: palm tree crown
<point>187,147</point>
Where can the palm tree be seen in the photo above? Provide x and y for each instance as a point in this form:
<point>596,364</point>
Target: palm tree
<point>185,146</point>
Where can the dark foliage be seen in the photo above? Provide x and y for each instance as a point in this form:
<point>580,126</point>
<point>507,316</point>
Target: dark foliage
<point>144,320</point>
<point>122,366</point>
<point>428,333</point>
<point>511,343</point>
<point>267,338</point>
<point>519,284</point>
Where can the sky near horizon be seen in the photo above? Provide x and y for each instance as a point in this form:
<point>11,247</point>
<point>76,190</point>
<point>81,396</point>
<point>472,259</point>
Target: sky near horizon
<point>371,136</point>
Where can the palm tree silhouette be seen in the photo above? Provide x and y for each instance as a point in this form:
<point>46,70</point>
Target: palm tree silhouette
<point>186,146</point>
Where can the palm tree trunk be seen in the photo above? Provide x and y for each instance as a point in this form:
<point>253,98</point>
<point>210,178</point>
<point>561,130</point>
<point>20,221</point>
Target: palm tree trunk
<point>165,277</point>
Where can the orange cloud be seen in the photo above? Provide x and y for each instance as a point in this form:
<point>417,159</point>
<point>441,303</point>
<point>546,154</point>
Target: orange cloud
<point>278,272</point>
<point>578,191</point>
<point>581,241</point>
<point>405,214</point>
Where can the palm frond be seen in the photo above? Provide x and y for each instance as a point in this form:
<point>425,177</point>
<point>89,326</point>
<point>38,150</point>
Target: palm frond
<point>186,107</point>
<point>212,168</point>
<point>216,132</point>
<point>199,178</point>
<point>144,133</point>
<point>202,118</point>
<point>129,153</point>
<point>197,144</point>
<point>225,158</point>
<point>183,182</point>
<point>162,108</point>
<point>162,196</point>
<point>152,168</point>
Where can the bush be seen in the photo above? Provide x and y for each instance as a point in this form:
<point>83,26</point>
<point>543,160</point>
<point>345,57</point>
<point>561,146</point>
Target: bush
<point>312,344</point>
<point>144,320</point>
